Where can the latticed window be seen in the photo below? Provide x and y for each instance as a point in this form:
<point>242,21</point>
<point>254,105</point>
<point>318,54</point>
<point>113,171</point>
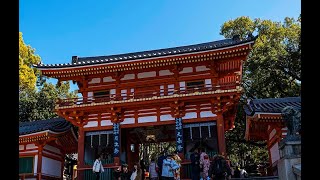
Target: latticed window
<point>96,143</point>
<point>101,96</point>
<point>199,131</point>
<point>195,85</point>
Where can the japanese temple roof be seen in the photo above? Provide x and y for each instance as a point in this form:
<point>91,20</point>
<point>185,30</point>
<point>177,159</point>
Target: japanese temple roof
<point>95,60</point>
<point>54,124</point>
<point>271,105</point>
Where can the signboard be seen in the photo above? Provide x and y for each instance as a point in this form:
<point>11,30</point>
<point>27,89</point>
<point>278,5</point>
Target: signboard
<point>116,145</point>
<point>179,135</point>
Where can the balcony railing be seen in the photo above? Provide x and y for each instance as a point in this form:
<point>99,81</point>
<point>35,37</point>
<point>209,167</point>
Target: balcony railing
<point>144,94</point>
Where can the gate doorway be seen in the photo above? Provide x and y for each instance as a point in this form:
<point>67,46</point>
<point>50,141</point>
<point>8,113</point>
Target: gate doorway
<point>144,143</point>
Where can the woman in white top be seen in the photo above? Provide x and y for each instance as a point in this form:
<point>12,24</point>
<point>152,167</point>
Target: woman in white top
<point>97,167</point>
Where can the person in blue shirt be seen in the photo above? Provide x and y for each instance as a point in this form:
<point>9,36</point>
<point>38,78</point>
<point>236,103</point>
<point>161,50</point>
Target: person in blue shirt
<point>160,163</point>
<point>168,168</point>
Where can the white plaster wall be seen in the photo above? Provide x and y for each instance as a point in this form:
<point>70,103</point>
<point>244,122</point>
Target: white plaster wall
<point>273,132</point>
<point>90,95</point>
<point>51,148</point>
<point>190,115</point>
<point>147,74</point>
<point>51,167</point>
<point>128,121</point>
<point>201,68</point>
<point>21,147</point>
<point>147,119</point>
<point>275,155</point>
<point>31,146</point>
<point>161,90</point>
<point>208,83</point>
<point>207,114</point>
<point>35,165</point>
<point>128,77</point>
<point>182,85</point>
<point>106,123</point>
<point>170,89</point>
<point>166,117</point>
<point>108,79</point>
<point>94,80</point>
<point>186,70</point>
<point>91,124</point>
<point>112,92</point>
<point>124,93</point>
<point>165,73</point>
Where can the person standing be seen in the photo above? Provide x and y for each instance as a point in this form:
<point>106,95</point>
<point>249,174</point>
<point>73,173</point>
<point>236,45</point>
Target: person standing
<point>143,169</point>
<point>136,172</point>
<point>219,168</point>
<point>125,174</point>
<point>153,174</point>
<point>168,168</point>
<point>205,165</point>
<point>97,167</point>
<point>160,163</point>
<point>177,158</point>
<point>195,164</point>
<point>236,173</point>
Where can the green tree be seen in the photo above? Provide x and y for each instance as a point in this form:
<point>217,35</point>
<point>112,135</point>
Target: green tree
<point>272,70</point>
<point>39,105</point>
<point>36,101</point>
<point>27,57</point>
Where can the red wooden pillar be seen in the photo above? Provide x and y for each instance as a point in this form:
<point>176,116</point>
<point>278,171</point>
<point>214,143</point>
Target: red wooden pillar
<point>80,153</point>
<point>39,165</point>
<point>221,136</point>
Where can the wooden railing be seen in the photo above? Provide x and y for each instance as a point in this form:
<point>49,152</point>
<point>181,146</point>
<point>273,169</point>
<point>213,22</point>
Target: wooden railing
<point>144,94</point>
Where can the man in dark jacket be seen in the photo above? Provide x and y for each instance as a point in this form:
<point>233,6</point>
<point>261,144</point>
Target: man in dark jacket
<point>219,168</point>
<point>195,164</point>
<point>125,174</point>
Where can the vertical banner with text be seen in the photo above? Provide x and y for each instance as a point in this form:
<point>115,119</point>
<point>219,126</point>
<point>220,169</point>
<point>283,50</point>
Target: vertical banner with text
<point>116,145</point>
<point>179,135</point>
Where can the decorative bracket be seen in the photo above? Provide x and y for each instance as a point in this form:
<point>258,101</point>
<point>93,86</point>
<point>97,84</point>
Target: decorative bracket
<point>177,109</point>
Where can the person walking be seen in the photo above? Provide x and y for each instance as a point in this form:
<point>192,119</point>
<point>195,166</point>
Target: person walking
<point>97,167</point>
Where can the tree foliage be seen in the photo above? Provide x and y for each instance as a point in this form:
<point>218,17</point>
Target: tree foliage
<point>272,70</point>
<point>36,102</point>
<point>39,105</point>
<point>27,57</point>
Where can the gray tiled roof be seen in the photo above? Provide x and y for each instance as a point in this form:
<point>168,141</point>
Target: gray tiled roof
<point>271,105</point>
<point>82,61</point>
<point>54,124</point>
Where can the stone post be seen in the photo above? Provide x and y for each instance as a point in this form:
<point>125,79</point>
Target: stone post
<point>290,156</point>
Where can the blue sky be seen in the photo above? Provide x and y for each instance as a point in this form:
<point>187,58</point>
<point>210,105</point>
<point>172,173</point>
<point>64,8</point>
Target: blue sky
<point>60,29</point>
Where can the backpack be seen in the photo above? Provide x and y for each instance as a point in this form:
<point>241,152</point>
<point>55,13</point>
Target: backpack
<point>219,167</point>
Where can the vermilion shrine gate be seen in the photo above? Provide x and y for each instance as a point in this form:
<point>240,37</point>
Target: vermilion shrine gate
<point>186,95</point>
